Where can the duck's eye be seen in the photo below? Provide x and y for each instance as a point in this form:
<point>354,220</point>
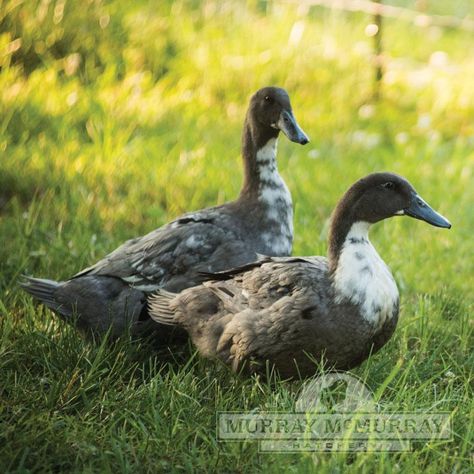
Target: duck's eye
<point>268,99</point>
<point>388,185</point>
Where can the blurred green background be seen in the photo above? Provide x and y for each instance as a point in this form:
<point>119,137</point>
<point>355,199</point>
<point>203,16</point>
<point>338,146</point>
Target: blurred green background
<point>117,116</point>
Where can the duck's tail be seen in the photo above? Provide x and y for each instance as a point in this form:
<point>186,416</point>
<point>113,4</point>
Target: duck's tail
<point>159,307</point>
<point>44,291</point>
<point>93,304</point>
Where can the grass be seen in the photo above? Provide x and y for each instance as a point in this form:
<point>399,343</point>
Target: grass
<point>117,117</point>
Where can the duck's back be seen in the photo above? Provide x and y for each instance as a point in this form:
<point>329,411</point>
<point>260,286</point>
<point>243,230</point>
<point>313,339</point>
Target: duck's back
<point>175,255</point>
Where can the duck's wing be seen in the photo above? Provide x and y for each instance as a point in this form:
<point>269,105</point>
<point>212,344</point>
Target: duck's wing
<point>254,286</point>
<point>230,273</point>
<point>195,242</point>
<point>283,277</point>
<point>264,281</point>
<point>252,313</point>
<point>285,300</point>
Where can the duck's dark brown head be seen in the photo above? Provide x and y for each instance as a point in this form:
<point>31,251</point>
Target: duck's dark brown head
<point>270,110</point>
<point>382,195</point>
<point>376,197</point>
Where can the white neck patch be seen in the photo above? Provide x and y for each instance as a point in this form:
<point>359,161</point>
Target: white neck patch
<point>362,277</point>
<point>274,193</point>
<point>268,151</point>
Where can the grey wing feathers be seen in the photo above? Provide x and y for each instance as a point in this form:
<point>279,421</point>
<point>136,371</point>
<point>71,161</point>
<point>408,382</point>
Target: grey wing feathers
<point>255,289</point>
<point>282,276</point>
<point>230,273</point>
<point>186,245</point>
<point>252,315</point>
<point>277,293</point>
<point>261,261</point>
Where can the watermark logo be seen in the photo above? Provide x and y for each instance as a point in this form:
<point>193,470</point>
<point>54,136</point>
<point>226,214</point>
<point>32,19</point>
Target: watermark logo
<point>334,412</point>
<point>335,392</point>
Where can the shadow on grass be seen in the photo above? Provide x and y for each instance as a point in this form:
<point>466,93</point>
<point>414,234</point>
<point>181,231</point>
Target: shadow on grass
<point>23,188</point>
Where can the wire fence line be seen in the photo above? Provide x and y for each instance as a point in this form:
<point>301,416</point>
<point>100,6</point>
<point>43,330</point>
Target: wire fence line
<point>418,18</point>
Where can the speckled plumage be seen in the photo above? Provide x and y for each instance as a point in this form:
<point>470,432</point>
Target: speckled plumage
<point>293,313</point>
<point>113,291</point>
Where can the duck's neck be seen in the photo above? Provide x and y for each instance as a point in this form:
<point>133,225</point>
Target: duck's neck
<point>265,188</point>
<point>259,147</point>
<point>359,275</point>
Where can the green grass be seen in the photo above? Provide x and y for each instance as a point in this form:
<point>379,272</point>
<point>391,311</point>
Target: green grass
<point>116,118</point>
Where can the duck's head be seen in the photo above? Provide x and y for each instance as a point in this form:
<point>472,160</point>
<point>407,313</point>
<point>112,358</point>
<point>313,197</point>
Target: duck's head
<point>270,108</point>
<point>376,197</point>
<point>382,195</point>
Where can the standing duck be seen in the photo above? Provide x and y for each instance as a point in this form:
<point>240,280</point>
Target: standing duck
<point>113,293</point>
<point>293,313</point>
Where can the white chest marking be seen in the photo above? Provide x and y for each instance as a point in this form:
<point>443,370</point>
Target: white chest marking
<point>274,193</point>
<point>363,278</point>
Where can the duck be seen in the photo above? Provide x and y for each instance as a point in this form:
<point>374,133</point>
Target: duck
<point>292,314</point>
<point>111,295</point>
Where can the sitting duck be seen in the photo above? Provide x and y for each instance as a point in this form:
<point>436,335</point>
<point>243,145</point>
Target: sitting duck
<point>293,313</point>
<point>112,294</point>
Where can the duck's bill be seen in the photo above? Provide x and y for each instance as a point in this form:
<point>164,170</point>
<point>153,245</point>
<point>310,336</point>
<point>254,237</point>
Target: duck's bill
<point>289,126</point>
<point>419,209</point>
